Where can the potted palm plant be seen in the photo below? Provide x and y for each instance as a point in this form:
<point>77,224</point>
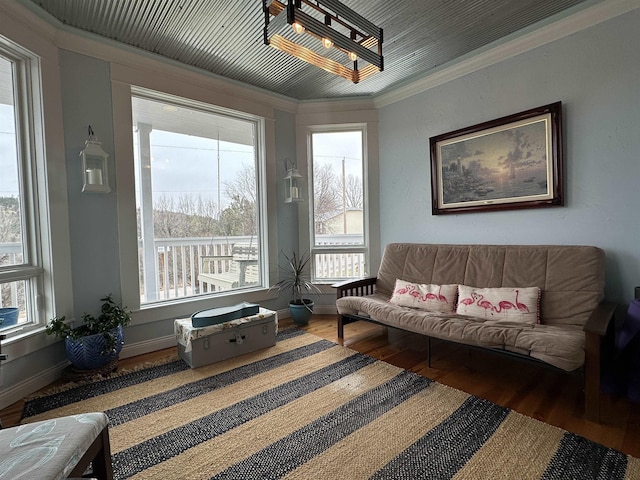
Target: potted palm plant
<point>98,340</point>
<point>295,278</point>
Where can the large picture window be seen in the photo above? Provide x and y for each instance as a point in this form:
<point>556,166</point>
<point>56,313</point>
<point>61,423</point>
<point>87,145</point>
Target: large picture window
<point>21,271</point>
<point>198,196</point>
<point>339,240</point>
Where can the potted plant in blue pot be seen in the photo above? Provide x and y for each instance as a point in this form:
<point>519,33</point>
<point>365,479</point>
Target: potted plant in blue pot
<point>97,342</point>
<point>295,278</point>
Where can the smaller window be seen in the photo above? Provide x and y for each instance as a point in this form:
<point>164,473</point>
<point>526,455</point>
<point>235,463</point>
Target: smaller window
<point>338,240</point>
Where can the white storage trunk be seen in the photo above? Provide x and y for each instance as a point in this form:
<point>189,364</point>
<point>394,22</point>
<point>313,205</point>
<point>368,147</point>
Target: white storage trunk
<point>202,346</point>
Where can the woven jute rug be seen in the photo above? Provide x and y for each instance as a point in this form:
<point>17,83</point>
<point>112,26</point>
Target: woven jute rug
<point>310,409</point>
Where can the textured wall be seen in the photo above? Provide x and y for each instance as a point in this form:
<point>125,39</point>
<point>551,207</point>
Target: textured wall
<point>596,74</point>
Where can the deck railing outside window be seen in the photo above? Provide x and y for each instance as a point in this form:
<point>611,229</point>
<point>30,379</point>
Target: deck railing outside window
<point>332,265</point>
<point>178,263</point>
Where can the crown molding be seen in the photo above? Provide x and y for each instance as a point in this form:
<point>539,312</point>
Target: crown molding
<point>564,27</point>
<point>32,18</point>
<point>136,59</point>
<point>22,26</point>
<point>336,105</point>
<point>22,16</point>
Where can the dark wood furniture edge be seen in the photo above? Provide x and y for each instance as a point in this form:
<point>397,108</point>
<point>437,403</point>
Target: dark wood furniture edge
<point>351,284</point>
<point>99,456</point>
<point>358,288</point>
<point>595,331</point>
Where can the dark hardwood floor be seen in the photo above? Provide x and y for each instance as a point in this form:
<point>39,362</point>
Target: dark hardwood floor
<point>532,390</point>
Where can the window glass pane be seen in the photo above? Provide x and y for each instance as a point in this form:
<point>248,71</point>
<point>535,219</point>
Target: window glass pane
<point>11,247</point>
<point>337,188</point>
<point>13,304</point>
<point>16,296</point>
<point>338,205</point>
<point>196,195</point>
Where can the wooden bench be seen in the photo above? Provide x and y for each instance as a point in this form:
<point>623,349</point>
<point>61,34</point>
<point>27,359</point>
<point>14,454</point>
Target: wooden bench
<point>58,448</point>
<point>223,272</point>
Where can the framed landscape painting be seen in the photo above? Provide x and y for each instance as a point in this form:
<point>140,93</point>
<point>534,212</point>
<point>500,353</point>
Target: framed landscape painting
<point>507,163</point>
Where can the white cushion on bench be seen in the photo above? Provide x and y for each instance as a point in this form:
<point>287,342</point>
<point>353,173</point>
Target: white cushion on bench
<point>48,449</point>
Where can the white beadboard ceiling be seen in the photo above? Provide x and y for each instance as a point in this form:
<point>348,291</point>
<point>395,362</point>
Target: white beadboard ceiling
<point>226,37</point>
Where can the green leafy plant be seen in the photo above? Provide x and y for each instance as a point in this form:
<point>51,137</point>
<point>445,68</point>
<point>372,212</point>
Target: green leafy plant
<point>111,316</point>
<point>295,277</point>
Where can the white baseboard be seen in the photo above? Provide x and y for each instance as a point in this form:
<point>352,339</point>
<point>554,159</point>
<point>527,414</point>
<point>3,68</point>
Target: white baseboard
<point>25,388</point>
<point>325,309</point>
<point>319,309</point>
<point>147,346</point>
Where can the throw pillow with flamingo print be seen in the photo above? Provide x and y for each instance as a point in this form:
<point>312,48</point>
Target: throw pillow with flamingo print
<point>516,304</point>
<point>433,298</point>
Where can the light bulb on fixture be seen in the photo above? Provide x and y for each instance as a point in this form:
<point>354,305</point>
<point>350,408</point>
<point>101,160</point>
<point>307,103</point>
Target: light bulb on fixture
<point>326,43</point>
<point>356,38</point>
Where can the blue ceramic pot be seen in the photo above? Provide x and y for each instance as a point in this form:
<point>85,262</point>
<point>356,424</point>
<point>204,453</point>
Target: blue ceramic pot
<point>8,316</point>
<point>301,313</point>
<point>85,353</point>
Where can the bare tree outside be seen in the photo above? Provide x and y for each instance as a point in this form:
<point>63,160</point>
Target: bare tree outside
<point>191,215</point>
<point>353,192</point>
<point>9,225</point>
<point>243,185</point>
<point>240,217</point>
<point>11,237</point>
<point>327,194</point>
<point>9,220</point>
<point>184,217</point>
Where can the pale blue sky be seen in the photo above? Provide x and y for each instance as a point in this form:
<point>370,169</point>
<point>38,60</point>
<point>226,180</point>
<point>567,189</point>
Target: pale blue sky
<point>183,165</point>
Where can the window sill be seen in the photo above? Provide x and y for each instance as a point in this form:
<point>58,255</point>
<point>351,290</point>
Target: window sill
<point>180,309</point>
<point>25,343</point>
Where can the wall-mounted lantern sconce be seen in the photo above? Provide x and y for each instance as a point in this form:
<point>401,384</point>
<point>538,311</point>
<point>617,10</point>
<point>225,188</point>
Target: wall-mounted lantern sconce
<point>94,166</point>
<point>292,183</point>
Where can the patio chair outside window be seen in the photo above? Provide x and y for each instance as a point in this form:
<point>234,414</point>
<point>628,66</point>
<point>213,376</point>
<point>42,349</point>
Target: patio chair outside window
<point>224,272</point>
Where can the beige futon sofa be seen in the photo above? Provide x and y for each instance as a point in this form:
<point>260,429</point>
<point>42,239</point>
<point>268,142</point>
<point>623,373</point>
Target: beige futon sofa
<point>562,325</point>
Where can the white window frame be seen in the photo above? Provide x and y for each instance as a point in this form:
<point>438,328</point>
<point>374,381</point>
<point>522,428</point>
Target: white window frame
<point>365,247</point>
<point>190,85</point>
<point>36,268</point>
<point>261,189</point>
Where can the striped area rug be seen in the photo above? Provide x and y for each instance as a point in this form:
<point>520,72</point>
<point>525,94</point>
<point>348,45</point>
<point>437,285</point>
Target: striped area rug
<point>310,409</point>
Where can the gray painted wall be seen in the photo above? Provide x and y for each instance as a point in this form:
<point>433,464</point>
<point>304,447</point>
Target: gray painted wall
<point>93,222</point>
<point>287,212</point>
<point>596,74</point>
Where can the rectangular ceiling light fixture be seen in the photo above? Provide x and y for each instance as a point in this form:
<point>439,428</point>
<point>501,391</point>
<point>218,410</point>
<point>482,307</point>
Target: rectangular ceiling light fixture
<point>326,34</point>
